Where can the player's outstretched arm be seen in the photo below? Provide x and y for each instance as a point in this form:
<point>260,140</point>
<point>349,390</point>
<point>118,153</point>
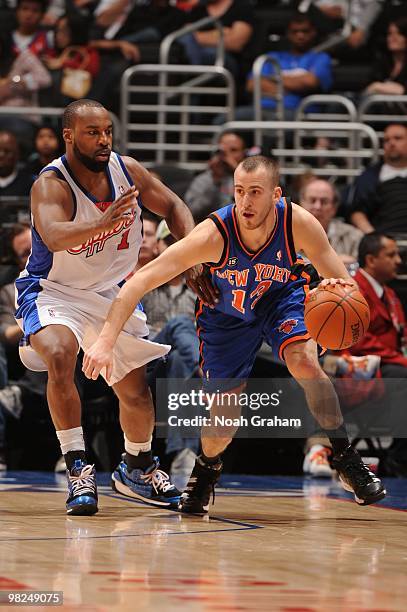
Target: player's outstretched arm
<point>161,200</point>
<point>310,237</point>
<point>203,244</point>
<point>52,208</point>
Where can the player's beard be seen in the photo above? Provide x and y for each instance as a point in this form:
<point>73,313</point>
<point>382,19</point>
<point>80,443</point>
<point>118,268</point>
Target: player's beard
<point>90,163</point>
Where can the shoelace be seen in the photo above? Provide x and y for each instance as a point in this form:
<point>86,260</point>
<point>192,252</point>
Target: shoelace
<point>159,480</point>
<point>321,455</point>
<point>84,482</point>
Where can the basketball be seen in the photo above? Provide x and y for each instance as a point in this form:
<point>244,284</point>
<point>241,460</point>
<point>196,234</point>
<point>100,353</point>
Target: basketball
<point>336,316</point>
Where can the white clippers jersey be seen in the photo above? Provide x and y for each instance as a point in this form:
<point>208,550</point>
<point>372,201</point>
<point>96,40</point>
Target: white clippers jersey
<point>102,261</point>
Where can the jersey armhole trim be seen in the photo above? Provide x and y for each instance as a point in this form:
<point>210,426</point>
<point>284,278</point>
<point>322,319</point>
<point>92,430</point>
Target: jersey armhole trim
<point>224,233</point>
<point>288,230</point>
<point>125,171</point>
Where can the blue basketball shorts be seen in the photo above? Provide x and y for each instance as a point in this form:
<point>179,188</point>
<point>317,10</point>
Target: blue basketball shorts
<point>228,344</point>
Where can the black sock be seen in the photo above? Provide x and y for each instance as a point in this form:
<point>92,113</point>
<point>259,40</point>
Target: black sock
<point>210,460</point>
<point>140,461</point>
<point>338,438</point>
<point>71,456</point>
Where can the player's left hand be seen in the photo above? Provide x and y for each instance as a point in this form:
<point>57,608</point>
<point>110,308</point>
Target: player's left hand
<point>346,282</point>
<point>97,357</point>
<point>200,282</point>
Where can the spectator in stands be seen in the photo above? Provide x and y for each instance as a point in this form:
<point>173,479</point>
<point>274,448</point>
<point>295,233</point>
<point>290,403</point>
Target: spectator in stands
<point>14,181</point>
<point>21,78</point>
<point>237,20</point>
<point>320,198</point>
<point>214,188</point>
<point>377,199</point>
<point>330,16</point>
<point>303,72</point>
<point>390,74</point>
<point>387,334</point>
<point>47,148</point>
<point>75,63</point>
<point>29,34</point>
<point>23,386</point>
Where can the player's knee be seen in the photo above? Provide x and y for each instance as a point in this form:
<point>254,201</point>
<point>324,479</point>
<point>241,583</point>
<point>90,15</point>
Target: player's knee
<point>302,361</point>
<point>135,398</point>
<point>61,362</point>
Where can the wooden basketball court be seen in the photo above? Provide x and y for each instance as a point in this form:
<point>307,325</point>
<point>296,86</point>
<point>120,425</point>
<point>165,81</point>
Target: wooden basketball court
<point>286,544</point>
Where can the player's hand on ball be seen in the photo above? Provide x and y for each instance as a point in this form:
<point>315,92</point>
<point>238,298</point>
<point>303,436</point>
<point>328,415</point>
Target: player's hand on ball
<point>200,282</point>
<point>346,282</point>
<point>99,356</point>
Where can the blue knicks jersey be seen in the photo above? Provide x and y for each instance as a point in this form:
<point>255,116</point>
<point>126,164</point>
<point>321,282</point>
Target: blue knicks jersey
<point>246,279</point>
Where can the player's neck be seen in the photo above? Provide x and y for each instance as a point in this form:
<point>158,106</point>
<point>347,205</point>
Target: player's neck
<point>90,180</point>
<point>254,239</point>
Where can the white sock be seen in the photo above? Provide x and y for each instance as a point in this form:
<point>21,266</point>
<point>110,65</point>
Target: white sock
<point>134,448</point>
<point>71,439</point>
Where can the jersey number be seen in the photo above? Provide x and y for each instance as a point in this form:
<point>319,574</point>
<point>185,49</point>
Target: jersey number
<point>239,296</point>
<point>124,243</point>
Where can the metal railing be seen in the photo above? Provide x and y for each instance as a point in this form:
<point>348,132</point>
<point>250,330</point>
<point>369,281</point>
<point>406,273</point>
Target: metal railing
<point>169,40</point>
<point>324,100</point>
<point>396,105</point>
<point>173,142</point>
<point>257,92</point>
<point>291,159</point>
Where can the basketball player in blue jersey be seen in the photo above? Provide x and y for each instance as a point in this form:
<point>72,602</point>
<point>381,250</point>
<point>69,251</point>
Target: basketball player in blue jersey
<point>252,248</point>
<point>86,235</point>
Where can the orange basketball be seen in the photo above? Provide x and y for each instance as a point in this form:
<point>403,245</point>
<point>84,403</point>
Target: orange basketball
<point>336,316</point>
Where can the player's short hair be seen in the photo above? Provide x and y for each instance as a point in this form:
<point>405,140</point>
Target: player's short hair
<point>250,164</point>
<point>72,110</point>
<point>371,244</point>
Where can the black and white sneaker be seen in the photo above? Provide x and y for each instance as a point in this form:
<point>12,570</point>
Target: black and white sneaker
<point>200,487</point>
<point>356,477</point>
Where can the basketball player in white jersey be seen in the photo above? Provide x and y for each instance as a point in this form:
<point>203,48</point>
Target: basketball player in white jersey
<point>87,230</point>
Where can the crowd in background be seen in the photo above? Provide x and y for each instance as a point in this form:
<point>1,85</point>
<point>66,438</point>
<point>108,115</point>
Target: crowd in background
<point>51,54</point>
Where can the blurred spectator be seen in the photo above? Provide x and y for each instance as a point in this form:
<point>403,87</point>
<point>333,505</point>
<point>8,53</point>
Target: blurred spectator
<point>47,148</point>
<point>214,188</point>
<point>21,78</point>
<point>377,199</point>
<point>137,21</point>
<point>13,181</point>
<point>29,34</point>
<point>303,72</point>
<point>387,334</point>
<point>23,386</point>
<point>236,17</point>
<point>320,198</point>
<point>390,73</point>
<point>330,16</point>
<point>149,246</point>
<point>75,63</point>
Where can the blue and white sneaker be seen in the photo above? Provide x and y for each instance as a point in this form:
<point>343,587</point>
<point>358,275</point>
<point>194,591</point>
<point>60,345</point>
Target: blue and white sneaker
<point>83,496</point>
<point>152,486</point>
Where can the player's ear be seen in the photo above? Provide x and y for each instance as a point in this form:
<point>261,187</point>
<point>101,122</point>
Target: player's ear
<point>277,193</point>
<point>67,135</point>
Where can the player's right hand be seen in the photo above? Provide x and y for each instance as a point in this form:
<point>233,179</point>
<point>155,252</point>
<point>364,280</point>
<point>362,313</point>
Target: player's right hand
<point>119,209</point>
<point>97,357</point>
